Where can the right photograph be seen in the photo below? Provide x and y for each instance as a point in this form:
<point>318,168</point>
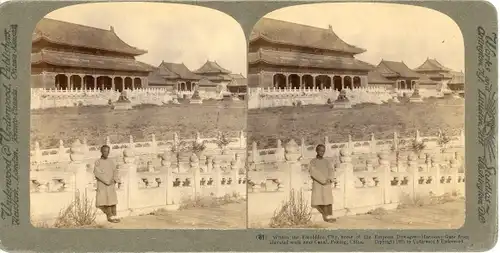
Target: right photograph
<point>356,118</point>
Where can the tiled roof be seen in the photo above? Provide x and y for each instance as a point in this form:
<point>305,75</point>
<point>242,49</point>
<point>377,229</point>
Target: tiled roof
<point>396,69</point>
<point>211,67</point>
<point>431,65</point>
<point>424,79</point>
<point>177,71</point>
<point>307,60</point>
<point>206,82</point>
<point>237,80</point>
<point>155,78</point>
<point>375,77</point>
<point>69,59</point>
<point>65,33</point>
<point>288,33</point>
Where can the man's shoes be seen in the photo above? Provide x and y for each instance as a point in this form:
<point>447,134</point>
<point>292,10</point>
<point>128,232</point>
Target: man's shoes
<point>113,219</point>
<point>330,218</point>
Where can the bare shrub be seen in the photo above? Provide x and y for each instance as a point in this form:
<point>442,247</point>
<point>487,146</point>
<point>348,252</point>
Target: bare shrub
<point>295,211</point>
<point>81,212</point>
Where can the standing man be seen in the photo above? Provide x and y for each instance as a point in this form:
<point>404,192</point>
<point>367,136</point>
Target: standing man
<point>322,173</point>
<point>106,174</point>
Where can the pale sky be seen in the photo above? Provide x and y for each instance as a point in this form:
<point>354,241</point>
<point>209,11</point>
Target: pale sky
<point>170,32</point>
<point>192,34</point>
<point>387,31</point>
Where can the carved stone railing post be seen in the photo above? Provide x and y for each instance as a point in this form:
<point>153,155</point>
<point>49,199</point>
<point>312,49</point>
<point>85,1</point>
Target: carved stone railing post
<point>210,160</point>
<point>328,147</point>
<point>350,145</point>
<point>280,152</point>
<point>166,167</point>
<point>131,142</point>
<point>401,167</point>
<point>385,171</point>
<point>85,146</point>
<point>417,136</point>
<point>255,153</point>
<point>78,167</point>
<point>454,167</point>
<point>108,142</point>
<point>302,147</point>
<point>194,163</point>
<point>395,142</point>
<point>197,137</point>
<point>175,140</point>
<point>203,162</point>
<point>413,169</point>
<point>373,144</point>
<point>217,176</point>
<point>243,140</point>
<point>346,167</point>
<point>235,173</point>
<point>132,183</point>
<point>292,155</point>
<point>428,162</point>
<point>436,174</point>
<point>38,154</point>
<point>62,151</point>
<point>154,144</point>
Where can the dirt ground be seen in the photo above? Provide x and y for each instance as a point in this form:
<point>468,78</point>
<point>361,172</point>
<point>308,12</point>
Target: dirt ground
<point>450,215</point>
<point>97,122</point>
<point>314,122</point>
<point>230,216</point>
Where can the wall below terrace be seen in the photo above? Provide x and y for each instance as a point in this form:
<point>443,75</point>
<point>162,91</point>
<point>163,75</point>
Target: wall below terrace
<point>364,180</point>
<point>272,97</point>
<point>43,98</point>
<point>165,185</point>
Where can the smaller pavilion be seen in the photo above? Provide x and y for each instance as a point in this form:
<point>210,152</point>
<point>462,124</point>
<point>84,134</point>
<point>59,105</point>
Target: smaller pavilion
<point>175,76</point>
<point>212,71</point>
<point>238,84</point>
<point>401,76</point>
<point>457,82</point>
<point>376,79</point>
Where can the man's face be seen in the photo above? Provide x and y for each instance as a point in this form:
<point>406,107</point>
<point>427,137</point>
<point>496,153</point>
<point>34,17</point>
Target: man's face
<point>105,152</point>
<point>320,151</point>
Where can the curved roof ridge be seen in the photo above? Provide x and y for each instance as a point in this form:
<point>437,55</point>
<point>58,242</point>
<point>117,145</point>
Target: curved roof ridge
<point>279,32</point>
<point>77,35</point>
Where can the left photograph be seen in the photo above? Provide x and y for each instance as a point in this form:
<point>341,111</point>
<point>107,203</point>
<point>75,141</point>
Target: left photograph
<point>138,118</point>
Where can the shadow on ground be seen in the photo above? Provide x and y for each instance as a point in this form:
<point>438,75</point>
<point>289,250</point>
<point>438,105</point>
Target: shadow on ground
<point>228,216</point>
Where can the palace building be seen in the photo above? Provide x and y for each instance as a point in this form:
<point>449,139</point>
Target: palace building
<point>457,82</point>
<point>72,56</point>
<point>401,76</point>
<point>238,84</point>
<point>210,77</point>
<point>212,71</point>
<point>174,76</point>
<point>435,71</point>
<point>289,55</point>
<point>376,79</point>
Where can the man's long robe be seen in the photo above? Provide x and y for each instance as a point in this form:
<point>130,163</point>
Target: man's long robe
<point>106,174</point>
<point>321,170</point>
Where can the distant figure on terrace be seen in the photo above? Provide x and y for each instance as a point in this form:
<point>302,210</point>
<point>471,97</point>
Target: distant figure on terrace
<point>106,174</point>
<point>322,173</point>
